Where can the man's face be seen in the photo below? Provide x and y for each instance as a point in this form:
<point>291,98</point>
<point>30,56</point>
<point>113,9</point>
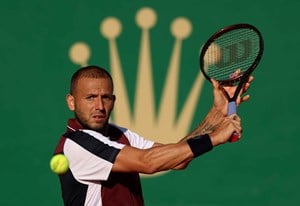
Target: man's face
<point>92,102</point>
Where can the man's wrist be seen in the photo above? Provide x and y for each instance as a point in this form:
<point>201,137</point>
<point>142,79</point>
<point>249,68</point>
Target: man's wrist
<point>200,144</point>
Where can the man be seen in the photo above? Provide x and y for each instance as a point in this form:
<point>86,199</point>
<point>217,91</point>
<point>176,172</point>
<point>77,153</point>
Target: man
<point>105,159</point>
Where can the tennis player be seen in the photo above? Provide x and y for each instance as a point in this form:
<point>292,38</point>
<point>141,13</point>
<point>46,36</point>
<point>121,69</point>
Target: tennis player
<point>106,159</point>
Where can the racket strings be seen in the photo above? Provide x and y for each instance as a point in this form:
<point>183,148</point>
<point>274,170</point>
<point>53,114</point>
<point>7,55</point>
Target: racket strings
<point>231,54</point>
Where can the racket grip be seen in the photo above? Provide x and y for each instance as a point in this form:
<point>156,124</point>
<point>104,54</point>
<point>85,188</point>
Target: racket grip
<point>232,110</point>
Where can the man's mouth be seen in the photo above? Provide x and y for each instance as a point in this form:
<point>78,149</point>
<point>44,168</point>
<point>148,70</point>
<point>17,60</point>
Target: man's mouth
<point>98,117</point>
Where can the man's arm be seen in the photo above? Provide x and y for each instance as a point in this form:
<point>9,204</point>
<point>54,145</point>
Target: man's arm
<point>212,120</point>
<point>155,159</point>
<point>176,155</point>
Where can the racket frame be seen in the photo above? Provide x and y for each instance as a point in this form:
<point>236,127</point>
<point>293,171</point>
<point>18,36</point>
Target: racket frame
<point>244,76</point>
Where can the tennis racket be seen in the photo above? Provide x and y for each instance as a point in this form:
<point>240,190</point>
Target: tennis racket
<point>229,56</point>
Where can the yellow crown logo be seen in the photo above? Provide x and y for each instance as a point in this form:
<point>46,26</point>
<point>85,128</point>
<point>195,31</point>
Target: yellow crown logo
<point>163,126</point>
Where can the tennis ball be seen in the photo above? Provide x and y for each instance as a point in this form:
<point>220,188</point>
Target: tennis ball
<point>59,164</point>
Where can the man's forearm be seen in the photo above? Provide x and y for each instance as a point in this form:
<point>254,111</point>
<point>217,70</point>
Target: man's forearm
<point>208,125</point>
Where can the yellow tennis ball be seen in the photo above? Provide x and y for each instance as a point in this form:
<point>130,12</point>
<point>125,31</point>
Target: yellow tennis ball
<point>59,164</point>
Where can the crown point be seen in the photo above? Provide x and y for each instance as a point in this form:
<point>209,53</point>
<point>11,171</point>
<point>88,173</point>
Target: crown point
<point>146,18</point>
<point>110,27</point>
<point>79,53</point>
<point>213,54</point>
<point>181,28</point>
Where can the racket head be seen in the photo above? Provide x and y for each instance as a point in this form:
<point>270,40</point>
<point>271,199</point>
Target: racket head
<point>231,53</point>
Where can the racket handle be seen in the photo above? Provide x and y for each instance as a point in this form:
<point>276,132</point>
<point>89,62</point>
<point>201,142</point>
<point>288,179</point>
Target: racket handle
<point>232,110</point>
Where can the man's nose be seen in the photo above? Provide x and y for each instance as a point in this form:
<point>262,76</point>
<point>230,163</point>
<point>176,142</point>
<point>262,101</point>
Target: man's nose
<point>99,104</point>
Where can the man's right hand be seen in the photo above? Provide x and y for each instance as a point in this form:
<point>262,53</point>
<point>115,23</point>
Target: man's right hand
<point>225,129</point>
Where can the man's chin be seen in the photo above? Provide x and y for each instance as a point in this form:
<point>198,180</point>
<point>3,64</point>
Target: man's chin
<point>97,126</point>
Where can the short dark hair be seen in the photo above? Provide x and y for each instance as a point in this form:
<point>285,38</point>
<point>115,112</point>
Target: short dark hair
<point>91,71</point>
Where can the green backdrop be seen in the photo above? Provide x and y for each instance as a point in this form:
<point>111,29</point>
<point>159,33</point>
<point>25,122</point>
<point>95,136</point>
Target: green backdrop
<point>35,36</point>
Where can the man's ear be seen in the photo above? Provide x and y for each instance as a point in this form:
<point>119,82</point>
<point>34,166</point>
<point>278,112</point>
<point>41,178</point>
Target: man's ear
<point>70,101</point>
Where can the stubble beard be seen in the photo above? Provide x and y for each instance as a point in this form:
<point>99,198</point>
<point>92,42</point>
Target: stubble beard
<point>84,123</point>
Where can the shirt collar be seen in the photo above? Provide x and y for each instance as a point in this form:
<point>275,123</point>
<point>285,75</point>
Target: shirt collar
<point>73,125</point>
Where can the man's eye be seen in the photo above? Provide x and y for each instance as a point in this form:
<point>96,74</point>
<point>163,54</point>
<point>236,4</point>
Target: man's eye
<point>90,97</point>
<point>107,97</point>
